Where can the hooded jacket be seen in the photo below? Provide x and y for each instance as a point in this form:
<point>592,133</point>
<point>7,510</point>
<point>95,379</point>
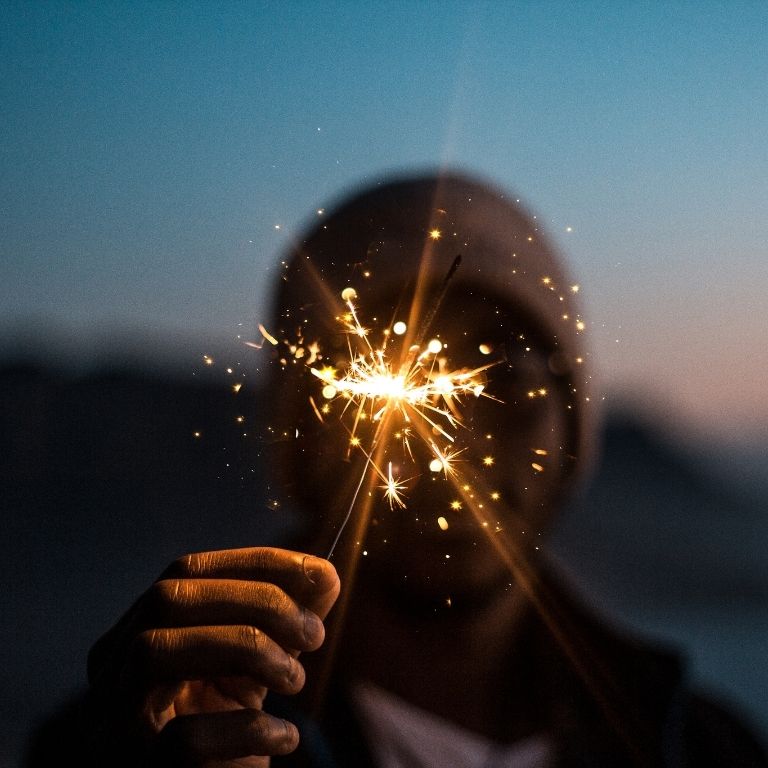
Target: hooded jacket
<point>612,700</point>
<point>645,715</point>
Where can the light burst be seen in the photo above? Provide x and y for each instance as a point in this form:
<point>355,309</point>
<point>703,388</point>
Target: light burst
<point>393,489</point>
<point>416,395</point>
<point>400,398</point>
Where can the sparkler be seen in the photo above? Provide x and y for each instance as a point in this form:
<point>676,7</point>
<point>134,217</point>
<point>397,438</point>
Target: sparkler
<point>385,397</point>
<point>392,388</point>
<point>400,400</point>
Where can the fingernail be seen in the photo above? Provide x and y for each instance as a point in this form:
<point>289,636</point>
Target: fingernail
<point>313,628</point>
<point>312,567</point>
<point>291,733</point>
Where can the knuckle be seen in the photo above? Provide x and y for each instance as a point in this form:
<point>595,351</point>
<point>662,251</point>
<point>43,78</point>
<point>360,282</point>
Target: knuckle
<point>254,639</point>
<point>287,618</point>
<point>182,566</point>
<point>149,645</point>
<point>275,600</point>
<point>165,594</point>
<point>265,558</point>
<point>258,732</point>
<point>192,565</point>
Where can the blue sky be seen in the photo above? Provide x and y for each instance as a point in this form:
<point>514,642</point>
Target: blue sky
<point>149,150</point>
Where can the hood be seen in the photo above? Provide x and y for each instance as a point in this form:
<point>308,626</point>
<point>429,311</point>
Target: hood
<point>406,233</point>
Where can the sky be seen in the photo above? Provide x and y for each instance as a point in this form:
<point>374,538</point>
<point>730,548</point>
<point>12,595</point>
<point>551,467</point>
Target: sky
<point>149,153</point>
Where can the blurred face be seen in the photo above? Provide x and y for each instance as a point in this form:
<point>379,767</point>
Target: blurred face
<point>441,482</point>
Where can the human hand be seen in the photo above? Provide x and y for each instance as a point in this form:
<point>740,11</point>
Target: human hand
<point>181,679</point>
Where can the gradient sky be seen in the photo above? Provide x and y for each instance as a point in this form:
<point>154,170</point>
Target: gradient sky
<point>147,152</point>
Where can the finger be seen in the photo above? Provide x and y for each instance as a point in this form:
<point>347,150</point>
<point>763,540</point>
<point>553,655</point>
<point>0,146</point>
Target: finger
<point>191,740</point>
<point>190,653</point>
<point>197,602</point>
<point>310,580</point>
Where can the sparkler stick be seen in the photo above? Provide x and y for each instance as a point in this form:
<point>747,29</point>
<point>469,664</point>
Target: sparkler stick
<point>368,461</point>
<point>427,324</point>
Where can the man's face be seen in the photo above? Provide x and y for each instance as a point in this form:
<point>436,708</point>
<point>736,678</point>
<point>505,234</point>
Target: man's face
<point>507,444</point>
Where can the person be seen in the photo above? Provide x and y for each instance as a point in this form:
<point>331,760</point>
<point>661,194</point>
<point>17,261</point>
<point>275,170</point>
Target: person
<point>455,641</point>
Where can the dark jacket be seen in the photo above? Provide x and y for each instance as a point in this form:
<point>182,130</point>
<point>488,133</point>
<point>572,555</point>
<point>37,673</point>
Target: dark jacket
<point>610,699</point>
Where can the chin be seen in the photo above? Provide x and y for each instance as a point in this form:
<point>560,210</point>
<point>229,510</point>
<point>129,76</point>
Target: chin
<point>431,571</point>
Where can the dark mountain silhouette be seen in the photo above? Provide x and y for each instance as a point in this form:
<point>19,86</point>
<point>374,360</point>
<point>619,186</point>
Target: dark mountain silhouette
<point>655,525</point>
<point>102,482</point>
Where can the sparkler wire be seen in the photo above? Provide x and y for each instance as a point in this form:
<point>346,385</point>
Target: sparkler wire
<point>343,525</point>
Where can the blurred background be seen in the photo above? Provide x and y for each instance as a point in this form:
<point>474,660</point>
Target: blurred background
<point>156,160</point>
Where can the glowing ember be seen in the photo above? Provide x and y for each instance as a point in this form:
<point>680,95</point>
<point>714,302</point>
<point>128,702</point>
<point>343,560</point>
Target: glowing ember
<point>392,489</point>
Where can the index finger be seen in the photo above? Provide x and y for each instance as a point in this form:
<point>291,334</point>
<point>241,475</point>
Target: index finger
<point>311,581</point>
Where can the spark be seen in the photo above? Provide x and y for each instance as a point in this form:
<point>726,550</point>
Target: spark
<point>392,489</point>
<point>435,234</point>
<point>488,461</point>
<point>444,460</point>
<point>268,336</point>
<point>316,409</point>
<point>456,504</point>
<point>443,523</point>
